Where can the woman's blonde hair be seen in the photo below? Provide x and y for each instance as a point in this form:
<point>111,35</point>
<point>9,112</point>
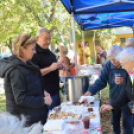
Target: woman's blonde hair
<point>63,51</point>
<point>23,39</point>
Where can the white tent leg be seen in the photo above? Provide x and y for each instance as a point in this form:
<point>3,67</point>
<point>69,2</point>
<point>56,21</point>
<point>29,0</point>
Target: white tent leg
<point>83,47</point>
<point>74,41</point>
<point>94,45</point>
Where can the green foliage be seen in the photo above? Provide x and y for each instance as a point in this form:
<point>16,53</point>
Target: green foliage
<point>92,60</point>
<point>2,103</point>
<point>28,15</point>
<point>106,36</point>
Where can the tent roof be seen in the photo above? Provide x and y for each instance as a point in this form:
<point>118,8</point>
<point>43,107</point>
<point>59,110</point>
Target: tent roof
<point>98,14</point>
<point>98,6</point>
<point>104,20</point>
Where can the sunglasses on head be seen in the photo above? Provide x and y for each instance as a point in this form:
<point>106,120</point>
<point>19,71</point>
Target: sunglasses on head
<point>26,40</point>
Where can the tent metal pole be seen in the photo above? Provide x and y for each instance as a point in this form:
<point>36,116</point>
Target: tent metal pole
<point>93,7</point>
<point>117,17</point>
<point>94,45</point>
<point>126,1</point>
<point>83,47</point>
<point>74,41</point>
<point>88,28</point>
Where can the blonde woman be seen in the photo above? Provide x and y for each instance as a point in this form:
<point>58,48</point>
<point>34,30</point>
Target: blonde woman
<point>23,82</point>
<point>65,60</point>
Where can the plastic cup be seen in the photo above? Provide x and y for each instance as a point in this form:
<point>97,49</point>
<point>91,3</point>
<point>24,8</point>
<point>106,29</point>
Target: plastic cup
<point>118,75</point>
<point>86,121</point>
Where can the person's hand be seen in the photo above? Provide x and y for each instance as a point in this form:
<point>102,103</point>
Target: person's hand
<point>88,93</point>
<point>53,66</point>
<point>119,80</point>
<point>48,100</point>
<point>46,93</point>
<point>61,66</point>
<point>105,107</point>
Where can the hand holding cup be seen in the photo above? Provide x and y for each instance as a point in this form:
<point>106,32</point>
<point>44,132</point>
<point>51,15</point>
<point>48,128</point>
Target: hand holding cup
<point>118,79</point>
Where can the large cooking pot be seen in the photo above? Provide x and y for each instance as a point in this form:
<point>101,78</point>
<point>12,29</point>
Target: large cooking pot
<point>76,86</point>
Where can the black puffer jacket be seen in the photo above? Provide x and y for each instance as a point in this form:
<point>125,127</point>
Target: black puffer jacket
<point>24,89</point>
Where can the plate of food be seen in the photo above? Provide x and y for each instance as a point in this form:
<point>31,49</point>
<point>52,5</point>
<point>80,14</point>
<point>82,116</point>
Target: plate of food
<point>68,113</point>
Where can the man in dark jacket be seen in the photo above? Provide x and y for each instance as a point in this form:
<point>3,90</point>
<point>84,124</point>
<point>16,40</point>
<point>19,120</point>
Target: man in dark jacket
<point>108,75</point>
<point>48,65</point>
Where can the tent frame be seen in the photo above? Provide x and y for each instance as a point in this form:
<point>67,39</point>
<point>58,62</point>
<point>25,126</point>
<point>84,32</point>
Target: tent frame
<point>103,5</point>
<point>74,40</point>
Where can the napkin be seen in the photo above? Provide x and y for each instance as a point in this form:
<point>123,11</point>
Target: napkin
<point>54,125</point>
<point>88,98</point>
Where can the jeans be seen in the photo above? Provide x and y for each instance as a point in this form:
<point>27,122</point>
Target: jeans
<point>56,101</point>
<point>65,88</point>
<point>127,121</point>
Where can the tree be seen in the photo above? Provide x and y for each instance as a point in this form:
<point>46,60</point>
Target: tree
<point>28,15</point>
<point>107,36</point>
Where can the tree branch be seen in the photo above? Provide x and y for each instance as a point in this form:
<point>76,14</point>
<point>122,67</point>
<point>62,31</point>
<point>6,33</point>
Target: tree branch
<point>46,17</point>
<point>9,44</point>
<point>52,28</point>
<point>49,19</point>
<point>52,14</point>
<point>35,15</point>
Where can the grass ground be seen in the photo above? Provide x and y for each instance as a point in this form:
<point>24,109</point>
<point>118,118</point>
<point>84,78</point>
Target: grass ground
<point>2,102</point>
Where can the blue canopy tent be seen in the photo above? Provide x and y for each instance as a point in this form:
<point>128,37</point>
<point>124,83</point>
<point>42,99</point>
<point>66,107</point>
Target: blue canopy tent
<point>98,6</point>
<point>98,14</point>
<point>104,20</point>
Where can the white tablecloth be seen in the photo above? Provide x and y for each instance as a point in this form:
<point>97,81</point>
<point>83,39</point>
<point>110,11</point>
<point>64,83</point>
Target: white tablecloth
<point>77,128</point>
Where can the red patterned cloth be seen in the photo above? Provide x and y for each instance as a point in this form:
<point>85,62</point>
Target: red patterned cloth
<point>93,131</point>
